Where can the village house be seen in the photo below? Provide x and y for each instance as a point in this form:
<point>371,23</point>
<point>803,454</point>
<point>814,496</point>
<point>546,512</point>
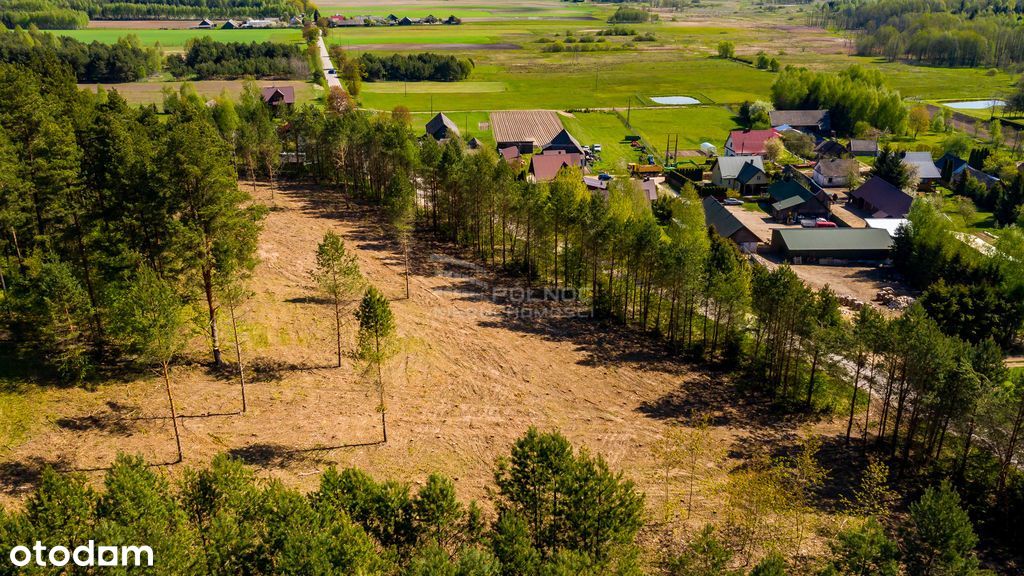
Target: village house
<point>954,169</point>
<point>861,147</point>
<point>511,155</point>
<point>545,167</point>
<point>727,225</point>
<point>230,25</point>
<point>731,172</point>
<point>927,173</point>
<point>831,149</point>
<point>206,24</point>
<point>881,199</point>
<point>748,142</point>
<point>813,122</point>
<point>789,201</point>
<point>834,172</point>
<point>564,142</point>
<point>278,96</point>
<point>441,127</point>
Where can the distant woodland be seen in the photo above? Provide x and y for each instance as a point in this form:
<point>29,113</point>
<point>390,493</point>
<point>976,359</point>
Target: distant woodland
<point>71,14</point>
<point>207,59</point>
<point>414,67</point>
<point>935,32</point>
<point>123,61</point>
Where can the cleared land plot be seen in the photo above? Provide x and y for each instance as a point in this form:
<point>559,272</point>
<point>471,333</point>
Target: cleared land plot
<point>176,39</point>
<point>469,379</point>
<point>153,92</point>
<point>537,126</point>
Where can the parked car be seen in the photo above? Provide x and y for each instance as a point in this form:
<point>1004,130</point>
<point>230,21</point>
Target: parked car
<point>825,224</point>
<point>597,148</point>
<point>733,202</point>
<point>330,71</point>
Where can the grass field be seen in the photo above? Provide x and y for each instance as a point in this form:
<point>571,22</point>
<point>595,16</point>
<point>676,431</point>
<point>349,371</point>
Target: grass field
<point>468,123</point>
<point>694,125</point>
<point>467,87</point>
<point>566,81</point>
<point>465,9</point>
<point>427,35</point>
<point>176,39</point>
<point>606,129</point>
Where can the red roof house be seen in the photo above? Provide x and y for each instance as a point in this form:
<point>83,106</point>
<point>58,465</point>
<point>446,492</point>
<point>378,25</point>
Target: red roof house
<point>748,142</point>
<point>544,167</point>
<point>277,95</point>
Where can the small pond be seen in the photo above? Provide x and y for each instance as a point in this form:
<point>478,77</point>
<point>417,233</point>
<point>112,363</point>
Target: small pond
<point>675,100</point>
<point>975,104</point>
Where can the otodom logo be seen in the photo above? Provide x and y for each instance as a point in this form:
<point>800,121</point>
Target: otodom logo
<point>86,556</point>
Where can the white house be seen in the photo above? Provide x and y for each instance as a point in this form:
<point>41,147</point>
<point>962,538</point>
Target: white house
<point>833,172</point>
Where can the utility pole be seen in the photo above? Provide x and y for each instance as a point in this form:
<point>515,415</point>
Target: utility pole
<point>667,140</point>
<point>629,106</point>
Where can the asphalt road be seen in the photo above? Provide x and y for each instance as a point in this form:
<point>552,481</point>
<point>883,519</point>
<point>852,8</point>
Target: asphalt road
<point>325,62</point>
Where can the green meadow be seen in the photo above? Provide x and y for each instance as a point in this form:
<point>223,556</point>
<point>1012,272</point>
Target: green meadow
<point>466,9</point>
<point>606,129</point>
<point>691,124</point>
<point>176,39</point>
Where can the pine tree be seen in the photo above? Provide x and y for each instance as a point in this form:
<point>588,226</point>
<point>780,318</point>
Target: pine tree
<point>337,275</point>
<point>151,321</point>
<point>377,342</point>
<point>939,537</point>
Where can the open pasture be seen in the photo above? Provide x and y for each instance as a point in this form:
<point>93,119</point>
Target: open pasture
<point>606,129</point>
<point>466,9</point>
<point>175,39</point>
<point>692,124</point>
<point>468,87</point>
<point>153,92</point>
<point>469,124</point>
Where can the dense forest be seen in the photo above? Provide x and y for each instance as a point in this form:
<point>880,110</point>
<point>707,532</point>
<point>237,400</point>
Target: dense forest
<point>414,67</point>
<point>557,511</point>
<point>935,32</point>
<point>207,59</point>
<point>123,61</point>
<point>71,14</point>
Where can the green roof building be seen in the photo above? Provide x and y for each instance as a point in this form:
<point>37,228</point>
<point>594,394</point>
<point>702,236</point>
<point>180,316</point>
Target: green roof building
<point>803,245</point>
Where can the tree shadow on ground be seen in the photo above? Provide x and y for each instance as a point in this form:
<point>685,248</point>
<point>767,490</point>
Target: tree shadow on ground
<point>271,455</point>
<point>713,395</point>
<point>262,369</point>
<point>21,477</point>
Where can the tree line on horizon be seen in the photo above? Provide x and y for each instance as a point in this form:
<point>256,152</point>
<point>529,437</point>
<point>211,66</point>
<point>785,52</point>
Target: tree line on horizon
<point>968,33</point>
<point>74,14</point>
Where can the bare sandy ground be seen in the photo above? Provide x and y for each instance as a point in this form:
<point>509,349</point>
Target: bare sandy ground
<point>473,373</point>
